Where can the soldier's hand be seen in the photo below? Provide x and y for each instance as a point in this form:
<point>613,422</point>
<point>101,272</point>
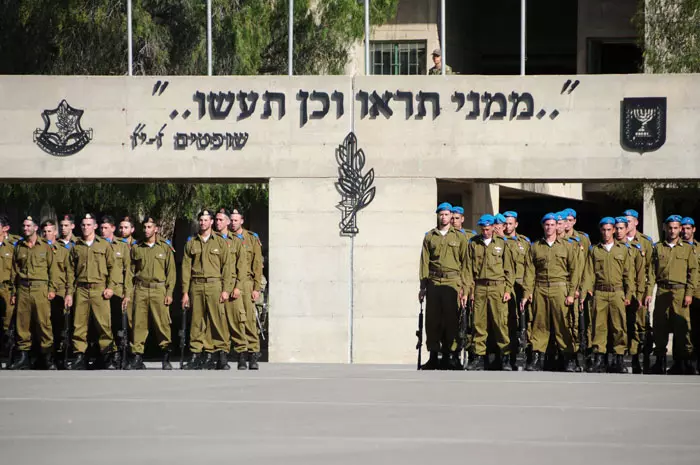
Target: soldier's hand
<point>569,300</point>
<point>108,293</point>
<point>168,300</point>
<point>185,300</point>
<point>125,304</point>
<point>647,301</point>
<point>506,297</point>
<point>256,295</point>
<point>687,300</point>
<point>51,295</point>
<point>224,297</point>
<point>421,295</point>
<point>236,293</point>
<point>68,301</point>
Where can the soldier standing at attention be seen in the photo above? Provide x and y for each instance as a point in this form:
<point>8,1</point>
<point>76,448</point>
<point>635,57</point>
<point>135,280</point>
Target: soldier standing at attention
<point>123,280</point>
<point>246,339</point>
<point>67,225</point>
<point>153,264</point>
<point>442,277</point>
<point>7,287</point>
<point>206,278</point>
<point>458,222</point>
<point>549,283</point>
<point>436,70</point>
<point>688,235</point>
<point>609,279</point>
<point>35,271</point>
<point>490,274</point>
<point>91,280</point>
<point>58,306</point>
<point>675,271</point>
<point>126,231</point>
<point>519,248</point>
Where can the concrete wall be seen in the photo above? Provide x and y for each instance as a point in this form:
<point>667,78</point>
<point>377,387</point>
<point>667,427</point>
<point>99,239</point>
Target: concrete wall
<point>604,19</point>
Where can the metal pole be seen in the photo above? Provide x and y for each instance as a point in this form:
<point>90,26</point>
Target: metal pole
<point>443,52</point>
<point>290,52</point>
<point>523,25</point>
<point>130,39</point>
<point>367,71</point>
<point>209,61</point>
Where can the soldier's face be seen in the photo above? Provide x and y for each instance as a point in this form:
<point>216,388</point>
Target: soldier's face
<point>67,228</point>
<point>688,231</point>
<point>125,229</point>
<point>205,222</point>
<point>28,228</point>
<point>445,217</point>
<point>107,230</point>
<point>487,231</point>
<point>606,232</point>
<point>510,226</point>
<point>620,231</point>
<point>49,232</point>
<point>569,224</point>
<point>88,227</point>
<point>149,230</point>
<point>673,230</point>
<point>549,227</point>
<point>221,222</point>
<point>457,221</point>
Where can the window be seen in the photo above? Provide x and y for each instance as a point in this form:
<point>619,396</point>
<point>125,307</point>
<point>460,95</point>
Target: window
<point>397,58</point>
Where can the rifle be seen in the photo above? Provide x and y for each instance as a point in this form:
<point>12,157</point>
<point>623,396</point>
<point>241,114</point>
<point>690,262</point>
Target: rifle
<point>648,344</point>
<point>419,334</point>
<point>65,335</point>
<point>123,334</point>
<point>183,334</point>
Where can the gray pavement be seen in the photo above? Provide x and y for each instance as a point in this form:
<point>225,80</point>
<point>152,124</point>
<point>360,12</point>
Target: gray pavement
<point>340,414</point>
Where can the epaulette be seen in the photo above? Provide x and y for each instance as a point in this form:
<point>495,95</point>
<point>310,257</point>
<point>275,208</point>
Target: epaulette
<point>189,238</point>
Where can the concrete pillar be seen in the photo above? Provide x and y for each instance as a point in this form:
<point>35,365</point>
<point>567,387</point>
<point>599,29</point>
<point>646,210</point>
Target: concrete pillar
<point>652,222</point>
<point>485,199</point>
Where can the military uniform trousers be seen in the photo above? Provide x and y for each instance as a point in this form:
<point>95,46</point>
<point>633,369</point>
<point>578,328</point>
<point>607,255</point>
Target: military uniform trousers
<point>242,322</point>
<point>609,320</point>
<point>209,330</point>
<point>150,301</point>
<point>89,302</point>
<point>490,317</point>
<point>636,326</point>
<point>441,316</point>
<point>671,316</point>
<point>550,313</point>
<point>33,304</point>
<point>5,307</point>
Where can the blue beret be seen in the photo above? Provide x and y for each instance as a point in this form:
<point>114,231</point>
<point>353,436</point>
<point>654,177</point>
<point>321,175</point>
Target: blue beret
<point>444,206</point>
<point>548,216</point>
<point>688,220</point>
<point>459,210</point>
<point>673,219</point>
<point>631,212</point>
<point>499,218</point>
<point>511,214</point>
<point>607,220</point>
<point>621,219</point>
<point>486,220</point>
<point>569,212</point>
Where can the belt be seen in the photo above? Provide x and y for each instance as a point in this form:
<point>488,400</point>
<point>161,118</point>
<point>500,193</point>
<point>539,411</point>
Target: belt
<point>91,285</point>
<point>489,282</point>
<point>606,288</point>
<point>551,283</point>
<point>32,282</point>
<point>206,280</point>
<point>151,285</point>
<point>667,285</point>
<point>444,274</point>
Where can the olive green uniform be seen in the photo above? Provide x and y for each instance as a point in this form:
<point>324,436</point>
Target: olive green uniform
<point>442,275</point>
<point>154,280</point>
<point>675,271</point>
<point>550,277</point>
<point>636,316</point>
<point>35,271</point>
<point>90,272</point>
<point>7,287</point>
<point>490,274</point>
<point>609,275</point>
<point>206,273</point>
<point>244,329</point>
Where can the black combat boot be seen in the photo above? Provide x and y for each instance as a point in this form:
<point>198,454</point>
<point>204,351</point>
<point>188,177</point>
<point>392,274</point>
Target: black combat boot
<point>535,363</point>
<point>108,361</point>
<point>505,363</point>
<point>137,362</point>
<point>597,365</point>
<point>253,358</point>
<point>195,362</point>
<point>50,364</point>
<point>222,364</point>
<point>477,363</point>
<point>78,363</point>
<point>570,365</point>
<point>636,366</point>
<point>166,360</point>
<point>242,361</point>
<point>433,362</point>
<point>210,361</point>
<point>23,363</point>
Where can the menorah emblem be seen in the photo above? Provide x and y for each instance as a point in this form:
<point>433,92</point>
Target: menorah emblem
<point>643,115</point>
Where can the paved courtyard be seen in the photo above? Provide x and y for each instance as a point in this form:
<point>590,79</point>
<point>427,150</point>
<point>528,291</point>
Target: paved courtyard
<point>340,414</point>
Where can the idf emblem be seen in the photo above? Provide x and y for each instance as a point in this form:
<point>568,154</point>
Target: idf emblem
<point>62,134</point>
<point>643,125</point>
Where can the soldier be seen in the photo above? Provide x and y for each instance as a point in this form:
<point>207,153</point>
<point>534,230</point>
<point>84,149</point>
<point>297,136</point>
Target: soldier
<point>123,281</point>
<point>688,235</point>
<point>206,277</point>
<point>239,267</point>
<point>609,279</point>
<point>442,277</point>
<point>489,277</point>
<point>519,247</point>
<point>126,231</point>
<point>91,280</point>
<point>153,265</point>
<point>458,222</point>
<point>499,222</point>
<point>549,283</point>
<point>35,271</point>
<point>67,225</point>
<point>436,70</point>
<point>246,339</point>
<point>58,307</point>
<point>7,288</point>
<point>675,271</point>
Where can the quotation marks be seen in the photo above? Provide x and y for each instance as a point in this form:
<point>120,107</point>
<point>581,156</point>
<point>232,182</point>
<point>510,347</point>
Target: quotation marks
<point>159,87</point>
